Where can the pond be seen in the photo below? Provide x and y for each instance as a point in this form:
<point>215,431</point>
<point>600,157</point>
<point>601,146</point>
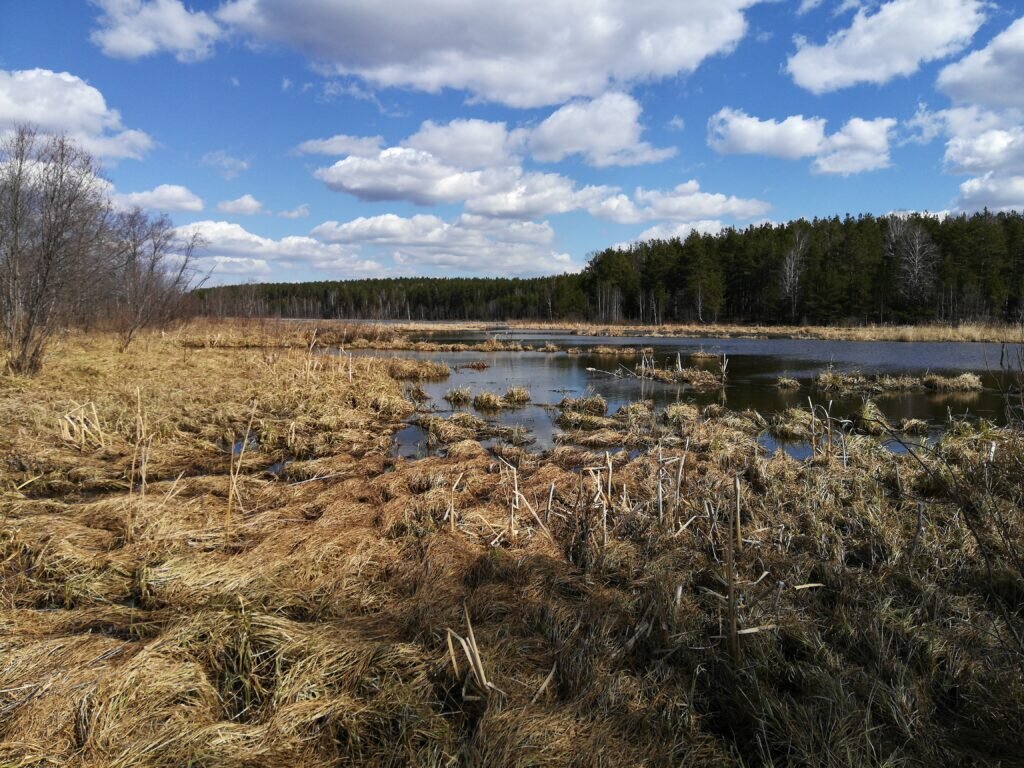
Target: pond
<point>754,365</point>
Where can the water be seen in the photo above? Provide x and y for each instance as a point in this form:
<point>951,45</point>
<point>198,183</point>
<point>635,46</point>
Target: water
<point>753,368</point>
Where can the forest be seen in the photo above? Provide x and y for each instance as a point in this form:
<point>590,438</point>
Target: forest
<point>912,268</point>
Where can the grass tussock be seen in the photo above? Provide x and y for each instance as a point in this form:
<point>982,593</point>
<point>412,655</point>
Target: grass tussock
<point>785,382</point>
<point>488,401</point>
<point>165,600</point>
<point>459,395</point>
<point>965,382</point>
<point>831,380</point>
<point>594,405</point>
<point>516,396</point>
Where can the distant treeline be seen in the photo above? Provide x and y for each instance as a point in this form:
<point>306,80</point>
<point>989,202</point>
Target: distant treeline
<point>862,270</point>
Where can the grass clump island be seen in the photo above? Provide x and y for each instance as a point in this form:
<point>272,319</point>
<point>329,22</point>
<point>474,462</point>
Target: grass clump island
<point>209,557</point>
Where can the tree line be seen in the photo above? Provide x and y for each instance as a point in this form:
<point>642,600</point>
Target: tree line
<point>70,258</point>
<point>892,269</point>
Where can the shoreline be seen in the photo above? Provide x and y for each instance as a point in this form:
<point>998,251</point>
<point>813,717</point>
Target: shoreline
<point>965,332</point>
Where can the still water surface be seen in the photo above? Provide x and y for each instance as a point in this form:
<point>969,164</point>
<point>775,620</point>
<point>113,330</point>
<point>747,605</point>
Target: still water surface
<point>754,365</point>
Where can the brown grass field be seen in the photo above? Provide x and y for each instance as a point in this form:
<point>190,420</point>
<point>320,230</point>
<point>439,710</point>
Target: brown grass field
<point>208,557</point>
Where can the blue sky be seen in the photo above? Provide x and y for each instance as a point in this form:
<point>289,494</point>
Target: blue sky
<point>330,139</point>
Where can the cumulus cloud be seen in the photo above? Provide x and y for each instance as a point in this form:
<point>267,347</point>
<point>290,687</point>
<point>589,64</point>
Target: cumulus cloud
<point>130,29</point>
<point>468,143</point>
<point>997,192</point>
<point>687,202</point>
<point>227,165</point>
<point>605,131</point>
<point>682,231</point>
<point>246,205</point>
<point>342,144</point>
<point>524,53</point>
<point>893,41</point>
<point>231,249</point>
<point>987,144</point>
<point>403,173</point>
<point>860,145</point>
<point>469,243</point>
<point>166,198</point>
<point>59,102</point>
<point>733,131</point>
<point>994,75</point>
<point>995,148</point>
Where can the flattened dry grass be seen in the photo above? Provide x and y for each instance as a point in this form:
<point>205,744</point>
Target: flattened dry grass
<point>166,601</point>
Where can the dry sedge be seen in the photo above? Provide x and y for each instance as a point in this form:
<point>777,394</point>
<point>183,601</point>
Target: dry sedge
<point>168,600</point>
<point>459,395</point>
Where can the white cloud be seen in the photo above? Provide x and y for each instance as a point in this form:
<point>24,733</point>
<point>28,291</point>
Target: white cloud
<point>994,75</point>
<point>891,42</point>
<point>401,173</point>
<point>732,131</point>
<point>246,205</point>
<point>806,6</point>
<point>469,243</point>
<point>687,202</point>
<point>298,212</point>
<point>993,191</point>
<point>232,249</point>
<point>682,231</point>
<point>529,195</point>
<point>166,198</point>
<point>130,29</point>
<point>994,149</point>
<point>59,102</point>
<point>232,265</point>
<point>605,131</point>
<point>523,53</point>
<point>468,143</point>
<point>342,144</point>
<point>227,165</point>
<point>860,145</point>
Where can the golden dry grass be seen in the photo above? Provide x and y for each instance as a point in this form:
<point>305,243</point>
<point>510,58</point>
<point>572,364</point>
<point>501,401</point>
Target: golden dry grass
<point>167,600</point>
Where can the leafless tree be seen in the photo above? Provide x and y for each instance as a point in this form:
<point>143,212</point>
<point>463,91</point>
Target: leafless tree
<point>908,242</point>
<point>153,268</point>
<point>54,224</point>
<point>793,263</point>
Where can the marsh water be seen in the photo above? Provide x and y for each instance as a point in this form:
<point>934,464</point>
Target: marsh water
<point>754,365</point>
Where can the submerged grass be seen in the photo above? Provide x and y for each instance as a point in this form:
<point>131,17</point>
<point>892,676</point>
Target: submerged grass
<point>165,600</point>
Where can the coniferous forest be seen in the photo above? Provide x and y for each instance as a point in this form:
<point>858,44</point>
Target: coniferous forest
<point>893,269</point>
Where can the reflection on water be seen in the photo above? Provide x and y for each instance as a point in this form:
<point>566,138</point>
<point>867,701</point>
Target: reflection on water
<point>754,365</point>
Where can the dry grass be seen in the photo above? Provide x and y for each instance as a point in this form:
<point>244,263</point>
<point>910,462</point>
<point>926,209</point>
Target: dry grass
<point>831,380</point>
<point>165,601</point>
<point>489,401</point>
<point>517,396</point>
<point>459,395</point>
<point>965,382</point>
<point>963,332</point>
<point>785,382</point>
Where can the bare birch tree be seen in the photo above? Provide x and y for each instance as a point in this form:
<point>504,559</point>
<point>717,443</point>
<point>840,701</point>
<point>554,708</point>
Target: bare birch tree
<point>793,263</point>
<point>917,257</point>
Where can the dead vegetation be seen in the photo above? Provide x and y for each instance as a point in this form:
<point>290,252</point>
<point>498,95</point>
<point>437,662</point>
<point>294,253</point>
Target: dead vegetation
<point>831,380</point>
<point>165,600</point>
